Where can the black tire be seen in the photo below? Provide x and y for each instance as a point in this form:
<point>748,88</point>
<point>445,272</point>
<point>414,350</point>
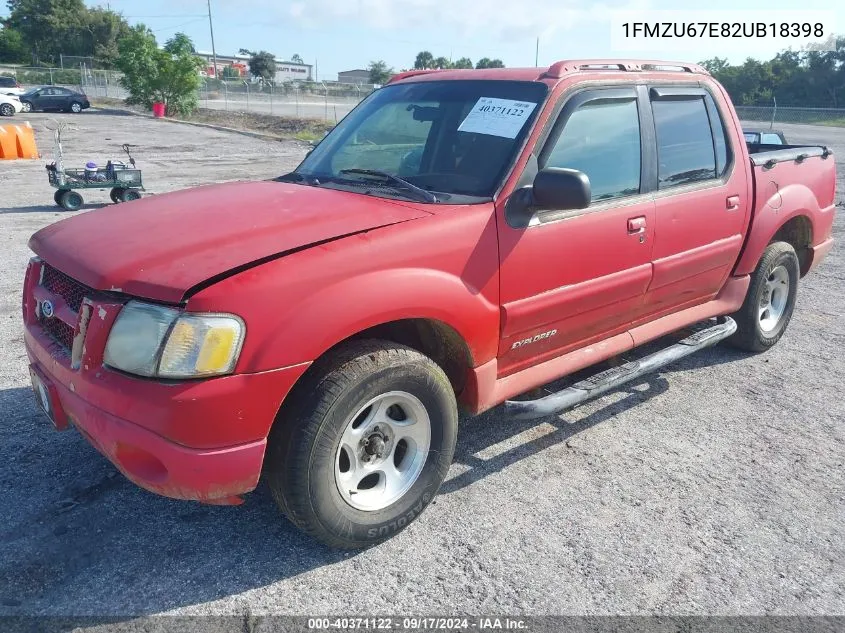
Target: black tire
<point>750,334</point>
<point>116,195</point>
<point>304,445</point>
<point>75,107</point>
<point>7,109</point>
<point>58,196</point>
<point>129,195</point>
<point>71,200</point>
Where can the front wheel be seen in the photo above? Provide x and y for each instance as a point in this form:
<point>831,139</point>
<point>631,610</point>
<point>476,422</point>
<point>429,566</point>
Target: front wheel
<point>27,106</point>
<point>363,444</point>
<point>7,109</point>
<point>768,306</point>
<point>71,200</point>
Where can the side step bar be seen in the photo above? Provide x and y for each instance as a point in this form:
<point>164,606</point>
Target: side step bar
<point>616,376</point>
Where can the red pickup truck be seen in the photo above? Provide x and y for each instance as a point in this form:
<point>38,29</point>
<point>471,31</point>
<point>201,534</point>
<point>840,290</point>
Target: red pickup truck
<point>461,238</point>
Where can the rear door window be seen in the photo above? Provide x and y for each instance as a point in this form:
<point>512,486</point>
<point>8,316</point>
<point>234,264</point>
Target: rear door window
<point>686,152</point>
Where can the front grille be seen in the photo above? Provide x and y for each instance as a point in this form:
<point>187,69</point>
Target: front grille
<point>68,289</point>
<point>59,331</point>
<point>72,293</point>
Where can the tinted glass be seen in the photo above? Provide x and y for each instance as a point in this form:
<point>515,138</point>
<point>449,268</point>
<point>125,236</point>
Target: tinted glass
<point>752,137</point>
<point>771,139</point>
<point>432,134</point>
<point>7,82</point>
<point>685,151</point>
<point>720,139</point>
<point>602,139</point>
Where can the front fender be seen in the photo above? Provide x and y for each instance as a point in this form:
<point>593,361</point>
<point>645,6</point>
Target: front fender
<point>336,312</point>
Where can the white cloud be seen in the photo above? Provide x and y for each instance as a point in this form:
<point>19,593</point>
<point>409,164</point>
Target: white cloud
<point>498,18</point>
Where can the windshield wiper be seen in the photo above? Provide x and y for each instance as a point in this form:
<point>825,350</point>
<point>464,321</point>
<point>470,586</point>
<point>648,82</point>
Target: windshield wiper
<point>425,195</point>
<point>296,176</point>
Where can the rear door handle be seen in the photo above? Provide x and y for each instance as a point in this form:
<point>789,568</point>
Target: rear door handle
<point>636,225</point>
<point>732,203</point>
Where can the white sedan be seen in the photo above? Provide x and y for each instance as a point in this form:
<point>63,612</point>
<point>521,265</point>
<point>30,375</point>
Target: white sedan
<point>9,105</point>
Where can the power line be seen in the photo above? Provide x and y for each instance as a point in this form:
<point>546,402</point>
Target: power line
<point>170,28</point>
<point>172,15</point>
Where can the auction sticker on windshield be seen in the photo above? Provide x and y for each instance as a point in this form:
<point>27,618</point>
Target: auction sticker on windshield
<point>497,117</point>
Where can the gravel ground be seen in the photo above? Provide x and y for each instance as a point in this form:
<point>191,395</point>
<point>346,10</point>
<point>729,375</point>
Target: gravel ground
<point>715,487</point>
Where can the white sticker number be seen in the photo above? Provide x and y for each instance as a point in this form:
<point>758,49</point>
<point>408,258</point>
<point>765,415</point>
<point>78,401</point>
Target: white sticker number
<point>497,117</point>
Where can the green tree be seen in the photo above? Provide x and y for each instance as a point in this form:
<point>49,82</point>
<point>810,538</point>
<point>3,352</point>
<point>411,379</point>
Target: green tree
<point>296,59</point>
<point>442,63</point>
<point>230,72</point>
<point>48,27</point>
<point>103,29</point>
<point>245,51</point>
<point>379,72</point>
<point>486,62</point>
<point>180,44</point>
<point>424,61</point>
<point>12,48</point>
<point>263,65</point>
<point>463,62</point>
<point>169,75</point>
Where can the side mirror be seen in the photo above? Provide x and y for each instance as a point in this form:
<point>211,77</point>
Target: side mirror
<point>559,188</point>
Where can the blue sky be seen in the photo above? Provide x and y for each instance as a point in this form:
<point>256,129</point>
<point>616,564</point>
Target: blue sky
<point>346,34</point>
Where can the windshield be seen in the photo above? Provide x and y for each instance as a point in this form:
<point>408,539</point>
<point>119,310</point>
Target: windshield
<point>453,139</point>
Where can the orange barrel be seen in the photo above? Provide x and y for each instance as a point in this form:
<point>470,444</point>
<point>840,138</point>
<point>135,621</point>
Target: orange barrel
<point>17,141</point>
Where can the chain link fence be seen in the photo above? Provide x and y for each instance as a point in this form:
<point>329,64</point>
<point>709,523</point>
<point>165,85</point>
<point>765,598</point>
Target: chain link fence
<point>774,115</point>
<point>326,100</point>
<point>330,101</point>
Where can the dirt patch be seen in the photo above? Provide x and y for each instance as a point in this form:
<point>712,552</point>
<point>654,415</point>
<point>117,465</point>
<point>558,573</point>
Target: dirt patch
<point>284,127</point>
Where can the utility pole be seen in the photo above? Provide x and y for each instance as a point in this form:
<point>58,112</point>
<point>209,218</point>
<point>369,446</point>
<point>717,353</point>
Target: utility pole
<point>537,53</point>
<point>213,50</point>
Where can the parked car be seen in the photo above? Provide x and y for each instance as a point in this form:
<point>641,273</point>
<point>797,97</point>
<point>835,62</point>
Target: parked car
<point>461,238</point>
<point>10,86</point>
<point>764,137</point>
<point>9,105</point>
<point>54,98</point>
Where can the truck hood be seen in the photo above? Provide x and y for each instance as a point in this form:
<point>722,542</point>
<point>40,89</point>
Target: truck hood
<point>162,246</point>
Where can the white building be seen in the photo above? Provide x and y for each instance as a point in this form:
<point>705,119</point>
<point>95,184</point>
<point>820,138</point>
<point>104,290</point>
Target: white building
<point>285,71</point>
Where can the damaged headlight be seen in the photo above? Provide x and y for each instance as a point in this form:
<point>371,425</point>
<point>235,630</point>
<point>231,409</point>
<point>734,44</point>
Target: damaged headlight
<point>155,341</point>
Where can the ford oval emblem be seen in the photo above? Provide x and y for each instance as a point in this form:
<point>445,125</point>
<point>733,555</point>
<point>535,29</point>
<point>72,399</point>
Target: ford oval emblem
<point>47,309</point>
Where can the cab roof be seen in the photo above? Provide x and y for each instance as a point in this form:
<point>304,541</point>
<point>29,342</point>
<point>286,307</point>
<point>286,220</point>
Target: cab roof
<point>555,72</point>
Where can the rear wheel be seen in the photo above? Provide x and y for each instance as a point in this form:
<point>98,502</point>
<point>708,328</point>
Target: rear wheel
<point>58,196</point>
<point>7,109</point>
<point>116,194</point>
<point>76,107</point>
<point>768,306</point>
<point>130,194</point>
<point>363,443</point>
<point>71,200</point>
<point>27,106</point>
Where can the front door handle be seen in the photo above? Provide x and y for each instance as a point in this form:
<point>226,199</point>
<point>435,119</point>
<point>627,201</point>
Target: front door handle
<point>732,203</point>
<point>636,225</point>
